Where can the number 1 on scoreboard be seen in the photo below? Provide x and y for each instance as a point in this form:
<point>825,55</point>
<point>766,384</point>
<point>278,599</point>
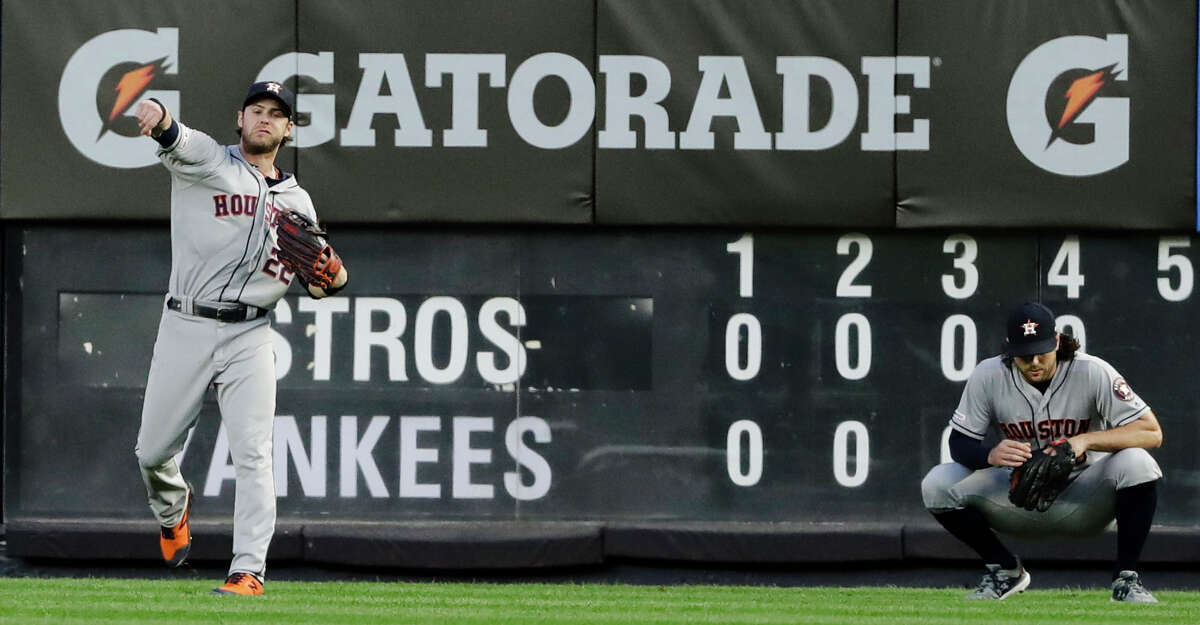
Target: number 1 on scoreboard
<point>744,248</point>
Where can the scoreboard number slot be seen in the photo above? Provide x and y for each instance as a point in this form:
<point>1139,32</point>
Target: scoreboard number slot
<point>733,346</point>
<point>957,364</point>
<point>1064,269</point>
<point>748,431</point>
<point>1169,262</point>
<point>845,285</point>
<point>966,250</point>
<point>846,431</point>
<point>744,248</point>
<point>859,366</point>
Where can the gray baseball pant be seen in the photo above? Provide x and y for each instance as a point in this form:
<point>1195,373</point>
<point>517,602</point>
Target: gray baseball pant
<point>1086,507</point>
<point>238,358</point>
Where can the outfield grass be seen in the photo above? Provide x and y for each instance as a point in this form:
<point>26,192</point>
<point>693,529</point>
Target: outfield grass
<point>128,602</point>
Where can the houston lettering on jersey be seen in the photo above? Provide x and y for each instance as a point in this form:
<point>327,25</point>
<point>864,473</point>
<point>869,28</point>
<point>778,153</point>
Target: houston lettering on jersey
<point>1049,428</point>
<point>226,205</point>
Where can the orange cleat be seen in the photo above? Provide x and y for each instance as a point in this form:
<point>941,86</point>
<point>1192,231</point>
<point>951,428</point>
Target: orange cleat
<point>176,541</point>
<point>241,584</point>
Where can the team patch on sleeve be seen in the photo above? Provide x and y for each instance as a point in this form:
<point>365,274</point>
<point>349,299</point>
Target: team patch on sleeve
<point>1122,390</point>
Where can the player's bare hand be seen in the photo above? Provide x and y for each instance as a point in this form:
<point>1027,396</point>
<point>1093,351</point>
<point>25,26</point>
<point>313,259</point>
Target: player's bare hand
<point>1009,453</point>
<point>152,118</point>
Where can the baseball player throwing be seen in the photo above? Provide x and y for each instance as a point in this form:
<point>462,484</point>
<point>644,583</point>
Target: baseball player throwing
<point>1038,394</point>
<point>227,272</point>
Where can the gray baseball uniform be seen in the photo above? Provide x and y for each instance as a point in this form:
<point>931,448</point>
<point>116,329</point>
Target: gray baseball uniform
<point>1085,394</point>
<point>222,257</point>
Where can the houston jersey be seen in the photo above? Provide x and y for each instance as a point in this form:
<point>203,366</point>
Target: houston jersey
<point>222,218</point>
<point>1085,394</point>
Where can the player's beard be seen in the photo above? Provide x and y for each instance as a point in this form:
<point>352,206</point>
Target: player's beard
<point>260,144</point>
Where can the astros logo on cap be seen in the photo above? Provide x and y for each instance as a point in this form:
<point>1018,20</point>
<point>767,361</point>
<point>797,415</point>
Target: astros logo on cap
<point>1030,327</point>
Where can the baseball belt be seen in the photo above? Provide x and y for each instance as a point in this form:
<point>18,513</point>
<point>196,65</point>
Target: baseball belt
<point>224,312</point>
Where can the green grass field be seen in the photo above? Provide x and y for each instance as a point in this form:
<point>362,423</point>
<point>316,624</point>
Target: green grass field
<point>60,601</point>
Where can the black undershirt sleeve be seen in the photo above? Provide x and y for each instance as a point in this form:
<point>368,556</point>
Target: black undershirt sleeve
<point>967,451</point>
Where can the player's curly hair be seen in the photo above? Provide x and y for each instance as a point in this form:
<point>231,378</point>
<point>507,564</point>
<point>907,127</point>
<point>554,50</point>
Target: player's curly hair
<point>1067,347</point>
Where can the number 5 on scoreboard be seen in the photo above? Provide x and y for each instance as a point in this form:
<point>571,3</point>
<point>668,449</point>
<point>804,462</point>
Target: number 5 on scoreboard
<point>1180,263</point>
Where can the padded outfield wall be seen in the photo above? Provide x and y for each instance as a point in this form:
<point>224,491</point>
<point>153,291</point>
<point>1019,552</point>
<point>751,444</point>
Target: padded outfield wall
<point>686,280</point>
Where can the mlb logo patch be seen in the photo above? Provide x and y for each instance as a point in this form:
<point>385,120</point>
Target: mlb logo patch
<point>1122,390</point>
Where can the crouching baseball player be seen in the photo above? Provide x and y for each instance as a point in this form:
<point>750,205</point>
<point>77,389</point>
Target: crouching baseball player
<point>241,229</point>
<point>1073,456</point>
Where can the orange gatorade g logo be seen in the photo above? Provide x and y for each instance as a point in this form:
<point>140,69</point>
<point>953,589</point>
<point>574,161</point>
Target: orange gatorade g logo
<point>101,84</point>
<point>1064,110</point>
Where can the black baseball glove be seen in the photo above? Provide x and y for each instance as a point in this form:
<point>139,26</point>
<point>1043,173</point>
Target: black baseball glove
<point>302,248</point>
<point>1037,483</point>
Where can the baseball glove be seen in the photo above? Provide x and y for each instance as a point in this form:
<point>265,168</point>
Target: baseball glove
<point>1037,483</point>
<point>302,248</point>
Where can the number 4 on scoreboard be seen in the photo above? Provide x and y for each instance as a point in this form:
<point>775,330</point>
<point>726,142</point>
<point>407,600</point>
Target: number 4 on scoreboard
<point>1064,271</point>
